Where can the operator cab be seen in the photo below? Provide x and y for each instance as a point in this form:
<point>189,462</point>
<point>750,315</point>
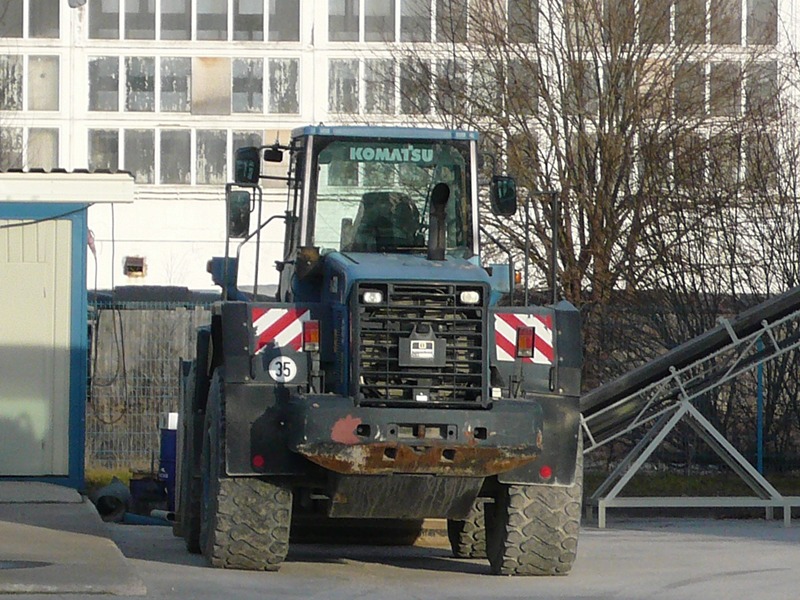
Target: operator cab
<point>356,190</point>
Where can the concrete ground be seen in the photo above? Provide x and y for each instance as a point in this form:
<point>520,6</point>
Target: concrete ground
<point>52,541</point>
<point>53,544</point>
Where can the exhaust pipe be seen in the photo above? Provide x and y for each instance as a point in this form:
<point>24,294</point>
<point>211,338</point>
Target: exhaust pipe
<point>437,241</point>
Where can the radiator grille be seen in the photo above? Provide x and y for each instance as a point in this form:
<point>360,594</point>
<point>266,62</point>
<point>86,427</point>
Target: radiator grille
<point>380,327</point>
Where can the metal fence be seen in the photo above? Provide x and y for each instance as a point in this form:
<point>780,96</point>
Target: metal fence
<point>135,369</point>
<point>136,349</point>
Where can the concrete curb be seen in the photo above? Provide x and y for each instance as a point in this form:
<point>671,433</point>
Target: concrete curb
<point>52,541</point>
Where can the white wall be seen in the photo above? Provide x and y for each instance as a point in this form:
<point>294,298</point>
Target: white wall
<point>176,231</point>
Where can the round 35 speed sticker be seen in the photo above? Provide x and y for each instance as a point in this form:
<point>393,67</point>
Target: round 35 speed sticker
<point>282,369</point>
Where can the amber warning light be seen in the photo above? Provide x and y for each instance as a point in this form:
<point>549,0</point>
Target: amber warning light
<point>525,342</point>
<point>311,336</point>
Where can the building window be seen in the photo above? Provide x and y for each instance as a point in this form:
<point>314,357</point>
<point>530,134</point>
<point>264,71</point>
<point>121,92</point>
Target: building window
<point>725,85</point>
<point>379,21</point>
<point>451,85</point>
<point>176,75</point>
<point>104,20</point>
<point>523,86</point>
<point>343,20</point>
<point>690,21</point>
<point>103,149</point>
<point>451,21</point>
<point>248,20</point>
<point>379,76</point>
<point>104,83</point>
<point>762,163</point>
<point>415,21</point>
<point>762,22</point>
<point>212,19</point>
<point>654,22</point>
<point>690,90</point>
<point>11,19</point>
<point>343,86</point>
<point>523,20</point>
<point>176,20</point>
<point>619,18</point>
<point>284,20</point>
<point>583,93</point>
<point>140,20</point>
<point>212,156</point>
<point>243,139</point>
<point>140,154</point>
<point>42,148</point>
<point>211,86</point>
<point>175,156</point>
<point>723,160</point>
<point>248,85</point>
<point>283,92</point>
<point>415,87</point>
<point>10,82</point>
<point>43,83</point>
<point>44,21</point>
<point>689,161</point>
<point>140,84</point>
<point>10,148</point>
<point>761,89</point>
<point>726,22</point>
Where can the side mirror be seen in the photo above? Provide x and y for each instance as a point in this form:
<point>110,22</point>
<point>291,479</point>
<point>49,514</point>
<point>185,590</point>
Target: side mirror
<point>273,155</point>
<point>504,196</point>
<point>247,168</point>
<point>238,207</point>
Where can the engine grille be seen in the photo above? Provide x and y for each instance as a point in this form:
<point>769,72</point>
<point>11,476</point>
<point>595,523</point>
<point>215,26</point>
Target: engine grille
<point>379,329</point>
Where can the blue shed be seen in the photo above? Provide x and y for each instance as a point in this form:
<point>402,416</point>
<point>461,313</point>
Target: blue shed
<point>43,319</point>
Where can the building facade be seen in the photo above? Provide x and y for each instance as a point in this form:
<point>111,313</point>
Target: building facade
<point>167,89</point>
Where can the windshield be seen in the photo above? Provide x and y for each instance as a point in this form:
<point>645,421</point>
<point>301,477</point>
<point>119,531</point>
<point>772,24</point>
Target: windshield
<point>375,196</point>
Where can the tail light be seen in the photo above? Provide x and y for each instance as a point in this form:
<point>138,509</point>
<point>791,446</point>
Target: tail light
<point>311,336</point>
<point>524,342</point>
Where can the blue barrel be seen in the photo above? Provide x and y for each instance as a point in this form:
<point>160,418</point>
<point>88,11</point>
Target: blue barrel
<point>168,425</point>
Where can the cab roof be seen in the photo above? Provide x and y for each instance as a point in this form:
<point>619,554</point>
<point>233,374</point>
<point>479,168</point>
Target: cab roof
<point>373,132</point>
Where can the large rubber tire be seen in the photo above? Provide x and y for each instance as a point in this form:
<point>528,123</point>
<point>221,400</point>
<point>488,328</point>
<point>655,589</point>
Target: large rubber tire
<point>245,521</point>
<point>189,444</point>
<point>468,537</point>
<point>191,486</point>
<point>533,529</point>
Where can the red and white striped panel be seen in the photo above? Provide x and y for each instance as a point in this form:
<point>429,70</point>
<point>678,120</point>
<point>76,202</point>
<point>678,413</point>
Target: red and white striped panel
<point>505,336</point>
<point>279,327</point>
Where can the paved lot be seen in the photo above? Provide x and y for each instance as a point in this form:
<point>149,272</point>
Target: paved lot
<point>634,559</point>
<point>52,540</point>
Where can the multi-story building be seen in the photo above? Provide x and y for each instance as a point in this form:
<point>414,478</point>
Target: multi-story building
<point>166,89</point>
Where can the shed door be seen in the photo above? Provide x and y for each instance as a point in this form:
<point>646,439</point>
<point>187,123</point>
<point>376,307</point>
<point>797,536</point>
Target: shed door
<point>35,300</point>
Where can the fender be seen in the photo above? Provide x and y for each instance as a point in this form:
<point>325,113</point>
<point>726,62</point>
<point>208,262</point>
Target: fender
<point>551,377</point>
<point>263,365</point>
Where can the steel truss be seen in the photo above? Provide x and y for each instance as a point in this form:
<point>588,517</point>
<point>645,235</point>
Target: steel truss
<point>671,400</point>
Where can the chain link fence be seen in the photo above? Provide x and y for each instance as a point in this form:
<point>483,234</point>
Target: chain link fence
<point>134,369</point>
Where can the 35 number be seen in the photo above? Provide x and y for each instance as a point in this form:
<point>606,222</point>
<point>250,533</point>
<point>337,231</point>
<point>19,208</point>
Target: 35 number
<point>282,369</point>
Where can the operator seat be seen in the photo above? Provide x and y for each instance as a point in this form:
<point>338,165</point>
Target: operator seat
<point>386,221</point>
